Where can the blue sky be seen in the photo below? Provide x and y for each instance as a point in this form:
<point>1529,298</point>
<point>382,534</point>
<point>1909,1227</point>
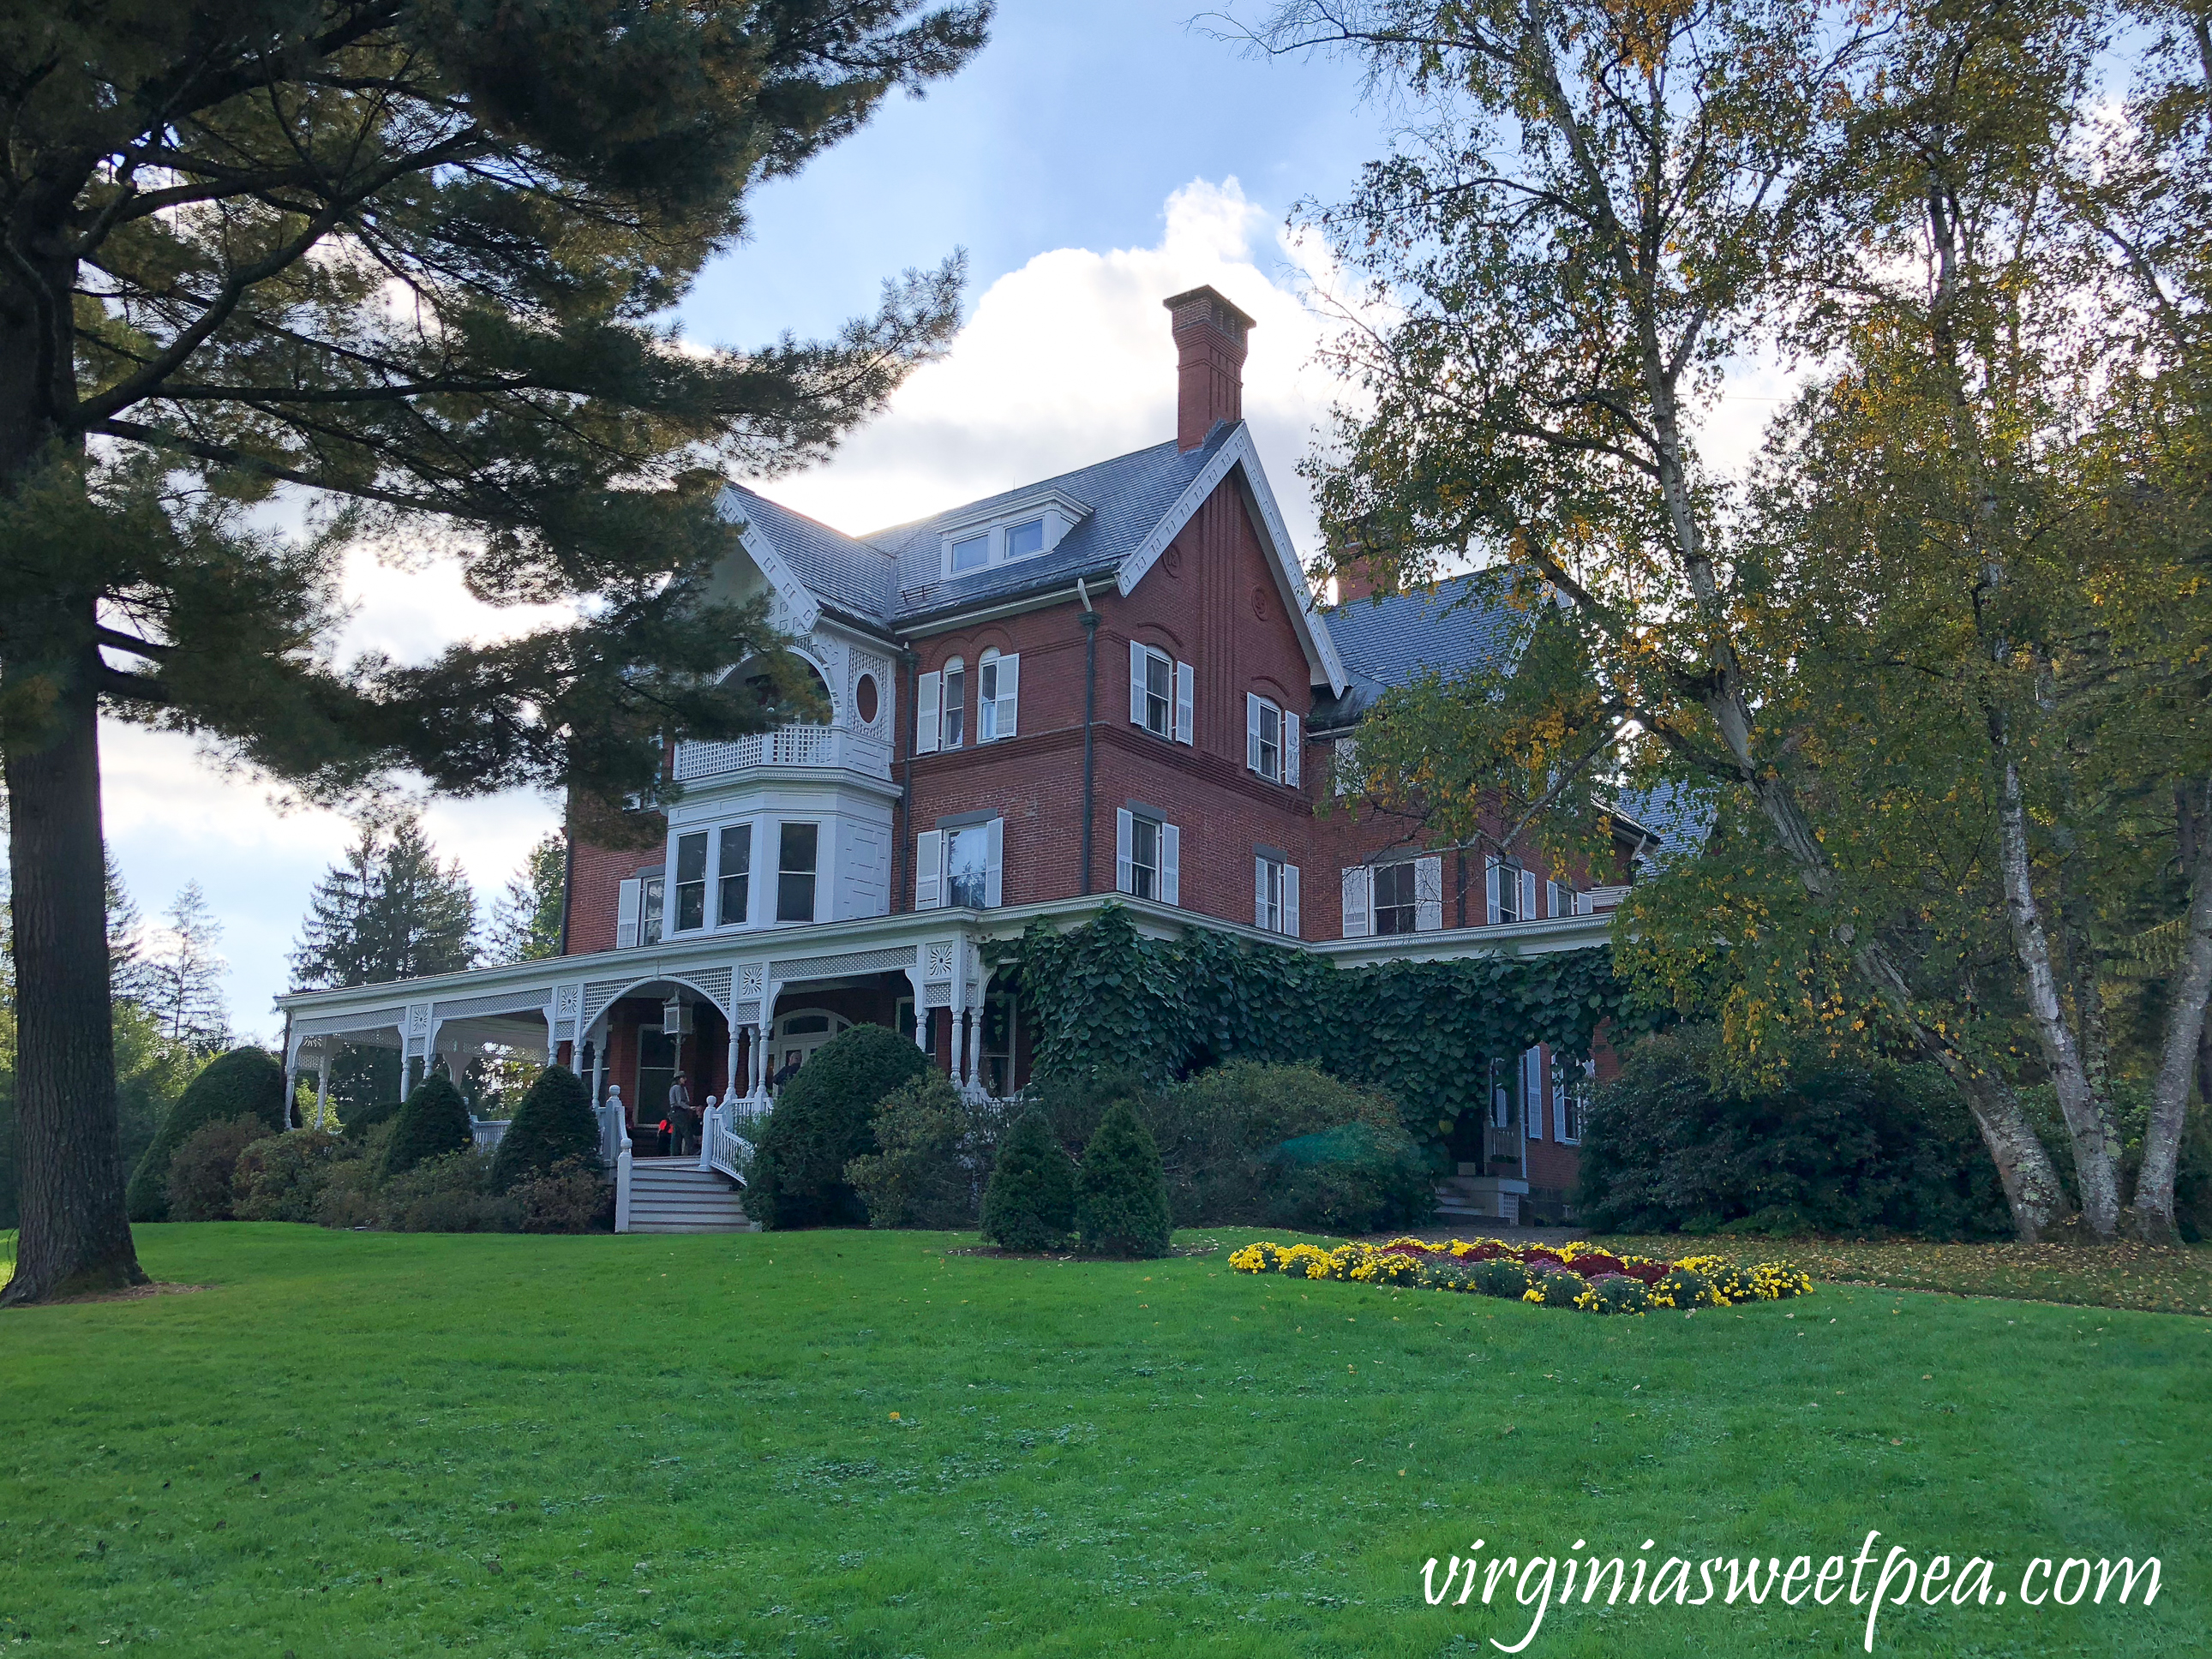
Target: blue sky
<point>1094,159</point>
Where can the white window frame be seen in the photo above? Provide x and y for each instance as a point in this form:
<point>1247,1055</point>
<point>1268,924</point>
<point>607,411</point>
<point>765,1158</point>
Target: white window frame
<point>952,717</point>
<point>745,827</point>
<point>1006,539</point>
<point>929,712</point>
<point>1532,1090</point>
<point>705,839</point>
<point>1359,902</point>
<point>972,539</point>
<point>1274,894</point>
<point>821,842</point>
<point>1166,870</point>
<point>997,695</point>
<point>1570,1092</point>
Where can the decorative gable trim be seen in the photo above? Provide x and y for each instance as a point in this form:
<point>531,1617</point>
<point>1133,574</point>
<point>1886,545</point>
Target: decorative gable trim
<point>1237,452</point>
<point>805,609</point>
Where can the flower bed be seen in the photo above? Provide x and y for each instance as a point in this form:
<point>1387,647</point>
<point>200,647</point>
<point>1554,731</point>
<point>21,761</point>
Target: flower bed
<point>1570,1276</point>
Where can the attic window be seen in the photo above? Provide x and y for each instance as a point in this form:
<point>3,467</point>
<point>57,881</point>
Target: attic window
<point>1023,540</point>
<point>971,553</point>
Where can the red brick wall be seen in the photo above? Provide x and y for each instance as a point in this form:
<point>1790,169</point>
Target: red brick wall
<point>595,878</point>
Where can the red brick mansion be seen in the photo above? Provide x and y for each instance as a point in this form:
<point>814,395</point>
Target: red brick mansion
<point>1112,686</point>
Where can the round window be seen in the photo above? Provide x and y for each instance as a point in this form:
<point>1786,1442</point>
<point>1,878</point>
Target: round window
<point>863,699</point>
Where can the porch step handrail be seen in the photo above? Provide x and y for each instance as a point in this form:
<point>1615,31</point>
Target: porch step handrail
<point>721,1148</point>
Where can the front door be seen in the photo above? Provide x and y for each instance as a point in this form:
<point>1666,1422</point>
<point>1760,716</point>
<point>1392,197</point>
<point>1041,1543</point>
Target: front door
<point>656,1071</point>
<point>799,1035</point>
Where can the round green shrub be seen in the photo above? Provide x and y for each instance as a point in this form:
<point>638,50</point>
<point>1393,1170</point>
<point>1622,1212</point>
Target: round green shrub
<point>243,1082</point>
<point>433,1123</point>
<point>1355,1178</point>
<point>921,1177</point>
<point>1500,1276</point>
<point>573,1196</point>
<point>1121,1192</point>
<point>1681,1287</point>
<point>203,1170</point>
<point>823,1120</point>
<point>553,1122</point>
<point>1219,1132</point>
<point>1029,1204</point>
<point>1560,1287</point>
<point>282,1177</point>
<point>1617,1293</point>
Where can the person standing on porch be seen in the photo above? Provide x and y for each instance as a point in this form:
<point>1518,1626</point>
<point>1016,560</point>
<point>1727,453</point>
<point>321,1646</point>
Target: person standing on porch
<point>683,1121</point>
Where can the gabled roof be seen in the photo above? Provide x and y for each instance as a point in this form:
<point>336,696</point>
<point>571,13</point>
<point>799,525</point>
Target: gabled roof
<point>1136,505</point>
<point>1679,820</point>
<point>1459,626</point>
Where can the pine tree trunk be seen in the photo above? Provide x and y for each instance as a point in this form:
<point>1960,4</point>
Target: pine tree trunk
<point>74,1239</point>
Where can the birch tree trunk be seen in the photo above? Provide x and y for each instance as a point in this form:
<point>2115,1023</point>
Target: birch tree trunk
<point>2150,1217</point>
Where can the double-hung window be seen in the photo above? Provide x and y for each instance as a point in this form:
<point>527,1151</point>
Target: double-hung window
<point>1271,739</point>
<point>1147,855</point>
<point>1397,904</point>
<point>637,910</point>
<point>997,695</point>
<point>971,553</point>
<point>1511,892</point>
<point>799,847</point>
<point>1274,892</point>
<point>955,729</point>
<point>690,882</point>
<point>1161,693</point>
<point>960,862</point>
<point>733,866</point>
<point>1570,1086</point>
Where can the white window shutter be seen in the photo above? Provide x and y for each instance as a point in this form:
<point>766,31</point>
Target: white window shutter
<point>1356,921</point>
<point>1292,761</point>
<point>1550,898</point>
<point>1585,904</point>
<point>1490,887</point>
<point>1428,894</point>
<point>1532,1089</point>
<point>929,870</point>
<point>1291,900</point>
<point>1124,833</point>
<point>928,701</point>
<point>996,857</point>
<point>1170,865</point>
<point>626,909</point>
<point>1259,892</point>
<point>1186,690</point>
<point>1251,732</point>
<point>1136,684</point>
<point>1010,688</point>
<point>1528,895</point>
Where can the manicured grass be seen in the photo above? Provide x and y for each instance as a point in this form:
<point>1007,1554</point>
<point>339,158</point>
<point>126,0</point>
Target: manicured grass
<point>853,1444</point>
<point>2154,1280</point>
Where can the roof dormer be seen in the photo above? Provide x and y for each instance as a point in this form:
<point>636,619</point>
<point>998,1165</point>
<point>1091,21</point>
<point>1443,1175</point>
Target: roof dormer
<point>1008,530</point>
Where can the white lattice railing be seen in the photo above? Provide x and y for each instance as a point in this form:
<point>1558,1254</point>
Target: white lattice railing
<point>724,1144</point>
<point>789,745</point>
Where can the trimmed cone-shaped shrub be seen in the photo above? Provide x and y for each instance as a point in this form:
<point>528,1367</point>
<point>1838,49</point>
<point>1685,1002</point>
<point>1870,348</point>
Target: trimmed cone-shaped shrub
<point>823,1120</point>
<point>434,1122</point>
<point>1121,1192</point>
<point>1029,1204</point>
<point>244,1082</point>
<point>553,1122</point>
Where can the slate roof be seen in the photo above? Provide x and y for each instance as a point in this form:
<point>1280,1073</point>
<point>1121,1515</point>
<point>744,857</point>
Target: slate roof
<point>849,575</point>
<point>1129,496</point>
<point>1680,818</point>
<point>1460,625</point>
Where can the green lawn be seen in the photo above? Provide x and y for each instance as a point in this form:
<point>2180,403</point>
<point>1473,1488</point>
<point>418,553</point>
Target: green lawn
<point>854,1443</point>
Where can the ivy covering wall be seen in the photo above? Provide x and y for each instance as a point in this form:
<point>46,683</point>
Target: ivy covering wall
<point>1104,996</point>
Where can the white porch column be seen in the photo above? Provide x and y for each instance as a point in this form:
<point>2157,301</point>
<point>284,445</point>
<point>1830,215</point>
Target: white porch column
<point>323,1086</point>
<point>971,1018</point>
<point>729,1071</point>
<point>962,1021</point>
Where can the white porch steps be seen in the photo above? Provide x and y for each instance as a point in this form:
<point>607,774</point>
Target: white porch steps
<point>1480,1198</point>
<point>675,1195</point>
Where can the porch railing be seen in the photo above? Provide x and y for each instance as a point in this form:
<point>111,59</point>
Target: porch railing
<point>727,1136</point>
<point>788,746</point>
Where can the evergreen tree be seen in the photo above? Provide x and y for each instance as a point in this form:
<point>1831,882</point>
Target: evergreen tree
<point>1122,1191</point>
<point>554,1123</point>
<point>183,975</point>
<point>434,1122</point>
<point>527,918</point>
<point>208,208</point>
<point>388,910</point>
<point>128,976</point>
<point>1029,1204</point>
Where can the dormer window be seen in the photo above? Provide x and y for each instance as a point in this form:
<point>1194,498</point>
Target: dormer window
<point>1025,540</point>
<point>1023,528</point>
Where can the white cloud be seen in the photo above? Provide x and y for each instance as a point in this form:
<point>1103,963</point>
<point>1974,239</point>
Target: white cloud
<point>1068,360</point>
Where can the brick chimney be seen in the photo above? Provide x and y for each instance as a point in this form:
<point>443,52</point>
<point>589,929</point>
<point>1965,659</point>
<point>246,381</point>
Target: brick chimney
<point>1209,336</point>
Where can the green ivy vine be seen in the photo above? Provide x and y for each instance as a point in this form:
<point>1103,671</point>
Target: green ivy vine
<point>1104,996</point>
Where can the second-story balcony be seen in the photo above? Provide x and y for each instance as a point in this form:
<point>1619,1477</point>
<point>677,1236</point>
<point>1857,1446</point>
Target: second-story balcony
<point>800,746</point>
